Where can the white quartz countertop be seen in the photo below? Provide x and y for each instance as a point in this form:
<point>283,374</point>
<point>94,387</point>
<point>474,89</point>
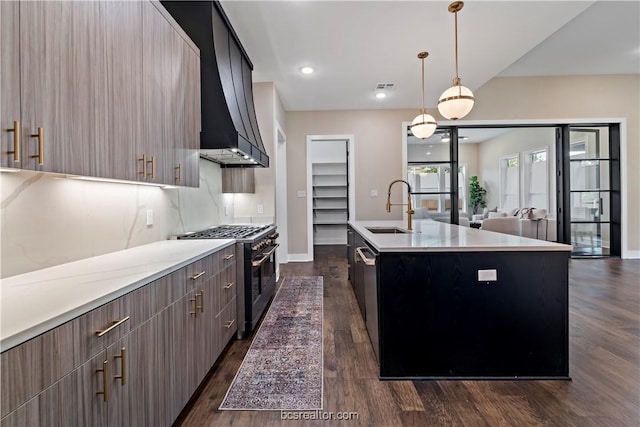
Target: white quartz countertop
<point>35,302</point>
<point>435,236</point>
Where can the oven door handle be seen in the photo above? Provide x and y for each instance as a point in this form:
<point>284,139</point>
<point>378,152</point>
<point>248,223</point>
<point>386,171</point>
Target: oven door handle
<point>266,257</point>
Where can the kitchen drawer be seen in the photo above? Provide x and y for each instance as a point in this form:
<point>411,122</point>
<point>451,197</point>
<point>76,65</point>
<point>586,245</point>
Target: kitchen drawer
<point>168,289</point>
<point>226,287</point>
<point>226,325</point>
<point>30,367</point>
<point>199,272</point>
<point>227,257</point>
<point>110,318</point>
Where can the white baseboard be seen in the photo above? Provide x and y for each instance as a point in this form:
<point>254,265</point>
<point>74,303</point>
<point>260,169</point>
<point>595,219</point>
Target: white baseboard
<point>630,254</point>
<point>300,257</point>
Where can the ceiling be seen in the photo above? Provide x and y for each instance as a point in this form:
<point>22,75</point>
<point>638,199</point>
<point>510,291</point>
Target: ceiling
<point>355,45</point>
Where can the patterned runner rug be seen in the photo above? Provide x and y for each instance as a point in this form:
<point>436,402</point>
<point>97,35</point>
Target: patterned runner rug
<point>283,368</point>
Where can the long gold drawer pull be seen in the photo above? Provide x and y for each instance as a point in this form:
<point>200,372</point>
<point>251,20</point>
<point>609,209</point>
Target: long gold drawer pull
<point>105,381</point>
<point>178,176</point>
<point>16,141</point>
<point>367,261</point>
<point>228,257</point>
<point>115,324</point>
<point>265,257</point>
<point>201,306</point>
<point>123,365</point>
<point>194,313</point>
<point>228,285</point>
<point>197,276</point>
<point>229,323</point>
<point>153,167</point>
<point>40,155</point>
<point>143,159</point>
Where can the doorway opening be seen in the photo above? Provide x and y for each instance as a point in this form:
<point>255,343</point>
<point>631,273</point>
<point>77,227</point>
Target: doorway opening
<point>329,193</point>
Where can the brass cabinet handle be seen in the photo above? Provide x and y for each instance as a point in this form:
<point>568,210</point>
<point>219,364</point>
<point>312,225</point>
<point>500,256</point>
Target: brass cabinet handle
<point>201,306</point>
<point>123,365</point>
<point>178,176</point>
<point>194,313</point>
<point>16,141</point>
<point>197,276</point>
<point>40,155</point>
<point>228,285</point>
<point>153,167</point>
<point>105,381</point>
<point>229,323</point>
<point>143,159</point>
<point>115,324</point>
<point>228,257</point>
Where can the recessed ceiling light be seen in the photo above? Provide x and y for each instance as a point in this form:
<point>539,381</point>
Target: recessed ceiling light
<point>428,153</point>
<point>445,139</point>
<point>306,70</point>
<point>381,95</point>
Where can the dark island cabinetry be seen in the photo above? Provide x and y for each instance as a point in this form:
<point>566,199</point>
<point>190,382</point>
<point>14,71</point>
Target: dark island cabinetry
<point>466,314</point>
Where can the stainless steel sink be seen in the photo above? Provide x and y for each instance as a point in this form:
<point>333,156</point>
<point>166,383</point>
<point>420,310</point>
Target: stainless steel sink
<point>387,230</point>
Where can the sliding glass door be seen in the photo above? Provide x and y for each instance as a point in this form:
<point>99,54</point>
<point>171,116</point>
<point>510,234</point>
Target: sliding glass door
<point>590,191</point>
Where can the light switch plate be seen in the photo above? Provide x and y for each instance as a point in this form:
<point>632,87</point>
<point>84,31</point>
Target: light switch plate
<point>260,209</point>
<point>150,217</point>
<point>302,194</point>
<point>487,275</point>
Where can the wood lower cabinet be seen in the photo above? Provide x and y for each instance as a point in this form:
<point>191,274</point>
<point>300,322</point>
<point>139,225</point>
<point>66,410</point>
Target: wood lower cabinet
<point>164,338</point>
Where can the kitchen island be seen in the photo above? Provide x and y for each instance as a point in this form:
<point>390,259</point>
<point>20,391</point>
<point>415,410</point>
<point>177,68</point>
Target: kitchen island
<point>445,301</point>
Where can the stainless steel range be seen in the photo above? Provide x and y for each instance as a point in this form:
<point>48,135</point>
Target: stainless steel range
<point>256,267</point>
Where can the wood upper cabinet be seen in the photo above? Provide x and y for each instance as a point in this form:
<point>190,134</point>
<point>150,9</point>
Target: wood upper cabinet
<point>171,71</point>
<point>105,88</point>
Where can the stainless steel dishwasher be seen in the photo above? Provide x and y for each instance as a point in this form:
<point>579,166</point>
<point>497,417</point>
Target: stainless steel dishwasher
<point>368,258</point>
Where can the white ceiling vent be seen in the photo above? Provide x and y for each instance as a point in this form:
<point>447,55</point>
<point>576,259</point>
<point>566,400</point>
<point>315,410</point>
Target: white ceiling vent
<point>384,86</point>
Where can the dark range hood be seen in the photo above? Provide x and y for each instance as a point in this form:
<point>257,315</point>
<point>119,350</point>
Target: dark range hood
<point>230,134</point>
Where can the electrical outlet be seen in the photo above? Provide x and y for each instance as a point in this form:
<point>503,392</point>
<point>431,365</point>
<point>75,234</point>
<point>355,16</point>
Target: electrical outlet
<point>149,217</point>
<point>301,194</point>
<point>260,209</point>
<point>487,275</point>
<point>373,193</point>
<point>226,210</point>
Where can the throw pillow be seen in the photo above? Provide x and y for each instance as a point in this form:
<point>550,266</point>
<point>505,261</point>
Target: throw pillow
<point>497,214</point>
<point>487,212</point>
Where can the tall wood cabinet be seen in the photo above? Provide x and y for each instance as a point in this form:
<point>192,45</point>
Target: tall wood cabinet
<point>100,89</point>
<point>157,344</point>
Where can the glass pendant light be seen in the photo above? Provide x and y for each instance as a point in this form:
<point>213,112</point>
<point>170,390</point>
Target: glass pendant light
<point>457,101</point>
<point>424,124</point>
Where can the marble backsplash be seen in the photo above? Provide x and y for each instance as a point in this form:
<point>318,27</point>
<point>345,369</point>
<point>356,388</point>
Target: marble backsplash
<point>47,220</point>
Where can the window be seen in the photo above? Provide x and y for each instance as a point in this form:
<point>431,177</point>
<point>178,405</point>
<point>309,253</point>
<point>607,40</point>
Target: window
<point>537,179</point>
<point>509,182</point>
<point>431,187</point>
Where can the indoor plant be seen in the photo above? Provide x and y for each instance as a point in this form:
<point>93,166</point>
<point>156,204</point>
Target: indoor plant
<point>477,194</point>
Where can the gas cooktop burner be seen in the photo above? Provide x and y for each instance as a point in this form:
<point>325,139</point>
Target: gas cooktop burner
<point>226,232</point>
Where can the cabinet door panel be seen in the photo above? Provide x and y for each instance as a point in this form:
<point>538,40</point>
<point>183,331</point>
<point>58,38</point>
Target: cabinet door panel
<point>90,408</point>
<point>9,81</point>
<point>56,41</point>
<point>27,415</point>
<point>117,65</point>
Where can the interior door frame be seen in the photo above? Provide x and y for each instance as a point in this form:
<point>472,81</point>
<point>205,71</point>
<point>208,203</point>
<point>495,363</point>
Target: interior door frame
<point>350,141</point>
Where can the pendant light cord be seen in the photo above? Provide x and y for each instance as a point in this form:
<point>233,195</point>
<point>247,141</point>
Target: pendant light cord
<point>423,109</point>
<point>457,79</point>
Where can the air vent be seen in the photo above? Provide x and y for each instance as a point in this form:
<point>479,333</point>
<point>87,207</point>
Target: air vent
<point>384,86</point>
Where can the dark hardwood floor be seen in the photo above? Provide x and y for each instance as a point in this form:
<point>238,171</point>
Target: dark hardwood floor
<point>604,365</point>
